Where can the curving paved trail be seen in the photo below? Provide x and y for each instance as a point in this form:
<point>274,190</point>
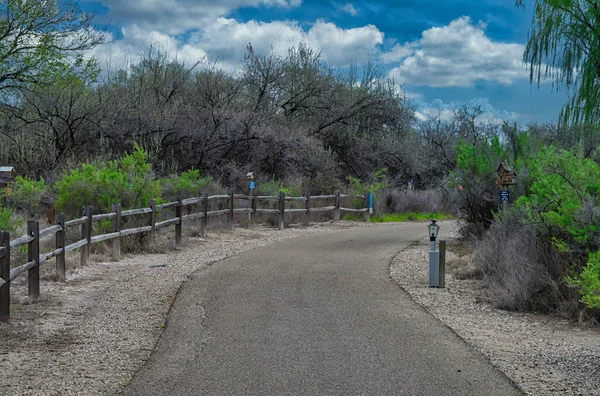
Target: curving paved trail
<point>316,315</point>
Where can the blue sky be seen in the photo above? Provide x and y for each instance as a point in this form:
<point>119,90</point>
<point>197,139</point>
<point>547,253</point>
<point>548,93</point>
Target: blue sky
<point>443,53</point>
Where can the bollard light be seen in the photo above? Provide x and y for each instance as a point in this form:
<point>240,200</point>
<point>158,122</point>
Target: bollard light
<point>433,230</point>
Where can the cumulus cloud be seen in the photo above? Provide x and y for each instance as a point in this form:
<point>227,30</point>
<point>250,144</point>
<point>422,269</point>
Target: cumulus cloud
<point>457,55</point>
<point>224,41</point>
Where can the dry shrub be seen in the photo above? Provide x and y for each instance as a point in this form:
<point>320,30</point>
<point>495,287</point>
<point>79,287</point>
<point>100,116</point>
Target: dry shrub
<point>521,271</point>
<point>426,201</point>
<point>463,269</point>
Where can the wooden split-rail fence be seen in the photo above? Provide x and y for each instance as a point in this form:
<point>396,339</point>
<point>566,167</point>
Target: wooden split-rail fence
<point>87,238</point>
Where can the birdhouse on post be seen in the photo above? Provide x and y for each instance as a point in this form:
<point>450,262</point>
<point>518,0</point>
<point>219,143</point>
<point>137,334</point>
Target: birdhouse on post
<point>7,175</point>
<point>506,175</point>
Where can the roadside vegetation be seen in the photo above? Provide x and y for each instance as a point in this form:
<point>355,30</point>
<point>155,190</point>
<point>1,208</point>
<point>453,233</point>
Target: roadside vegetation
<point>161,128</point>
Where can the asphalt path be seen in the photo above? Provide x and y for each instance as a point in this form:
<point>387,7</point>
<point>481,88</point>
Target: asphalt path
<point>315,315</point>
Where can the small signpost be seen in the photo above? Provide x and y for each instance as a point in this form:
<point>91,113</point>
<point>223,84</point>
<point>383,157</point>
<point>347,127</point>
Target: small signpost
<point>252,185</point>
<point>506,177</point>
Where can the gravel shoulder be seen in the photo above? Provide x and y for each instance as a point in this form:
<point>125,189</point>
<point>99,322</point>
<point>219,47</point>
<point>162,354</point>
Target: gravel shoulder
<point>542,354</point>
<point>91,334</point>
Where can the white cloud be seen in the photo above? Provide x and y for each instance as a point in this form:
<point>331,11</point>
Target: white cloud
<point>348,8</point>
<point>397,53</point>
<point>445,111</point>
<point>179,16</point>
<point>458,55</point>
<point>224,41</point>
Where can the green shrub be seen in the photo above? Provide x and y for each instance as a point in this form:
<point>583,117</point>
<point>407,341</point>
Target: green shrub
<point>7,223</point>
<point>589,282</point>
<point>380,182</point>
<point>26,194</point>
<point>274,187</point>
<point>129,181</point>
<point>187,185</point>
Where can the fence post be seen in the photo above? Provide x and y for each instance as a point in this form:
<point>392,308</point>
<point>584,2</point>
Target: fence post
<point>307,215</point>
<point>152,221</point>
<point>281,210</point>
<point>253,208</point>
<point>116,227</point>
<point>205,217</point>
<point>61,271</point>
<point>231,211</point>
<point>33,254</point>
<point>337,206</point>
<point>86,233</point>
<point>367,205</point>
<point>178,225</point>
<point>442,248</point>
<point>5,275</point>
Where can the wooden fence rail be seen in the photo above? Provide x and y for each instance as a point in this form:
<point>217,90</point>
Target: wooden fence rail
<point>87,238</point>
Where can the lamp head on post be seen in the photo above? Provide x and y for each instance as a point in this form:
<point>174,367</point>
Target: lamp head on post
<point>433,230</point>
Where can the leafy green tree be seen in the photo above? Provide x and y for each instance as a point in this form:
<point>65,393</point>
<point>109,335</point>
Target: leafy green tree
<point>38,40</point>
<point>564,45</point>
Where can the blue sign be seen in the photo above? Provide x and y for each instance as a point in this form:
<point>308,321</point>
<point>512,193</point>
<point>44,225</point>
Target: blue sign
<point>252,185</point>
<point>504,195</point>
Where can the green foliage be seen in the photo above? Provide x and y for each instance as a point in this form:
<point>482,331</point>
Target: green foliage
<point>25,194</point>
<point>563,46</point>
<point>589,281</point>
<point>6,221</point>
<point>188,184</point>
<point>380,182</point>
<point>409,216</point>
<point>129,181</point>
<point>274,187</point>
<point>564,191</point>
<point>46,38</point>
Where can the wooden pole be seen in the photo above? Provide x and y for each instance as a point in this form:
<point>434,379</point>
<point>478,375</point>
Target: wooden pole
<point>178,225</point>
<point>33,254</point>
<point>367,205</point>
<point>152,224</point>
<point>307,215</point>
<point>61,270</point>
<point>337,216</point>
<point>5,275</point>
<point>281,210</point>
<point>442,248</point>
<point>205,217</point>
<point>116,227</point>
<point>254,206</point>
<point>86,233</point>
<point>230,211</point>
